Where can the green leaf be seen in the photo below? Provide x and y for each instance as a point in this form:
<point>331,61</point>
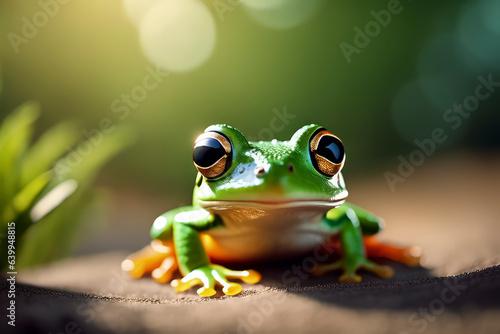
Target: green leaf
<point>48,148</point>
<point>47,240</point>
<point>56,234</point>
<point>15,134</point>
<point>25,199</point>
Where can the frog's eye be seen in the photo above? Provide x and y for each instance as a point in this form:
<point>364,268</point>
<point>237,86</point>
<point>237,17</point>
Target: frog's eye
<point>212,154</point>
<point>327,153</point>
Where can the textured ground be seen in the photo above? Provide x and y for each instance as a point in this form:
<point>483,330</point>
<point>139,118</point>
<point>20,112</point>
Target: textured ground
<point>449,208</point>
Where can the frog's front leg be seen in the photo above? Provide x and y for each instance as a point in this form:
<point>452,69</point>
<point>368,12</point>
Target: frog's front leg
<point>197,269</point>
<point>157,259</point>
<point>353,251</point>
<point>176,244</point>
<point>195,265</point>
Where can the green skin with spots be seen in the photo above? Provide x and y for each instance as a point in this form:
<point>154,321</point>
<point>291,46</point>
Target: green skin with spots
<point>239,183</point>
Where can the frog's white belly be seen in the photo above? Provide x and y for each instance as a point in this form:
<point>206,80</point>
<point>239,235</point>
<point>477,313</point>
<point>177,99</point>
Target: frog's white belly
<point>269,232</point>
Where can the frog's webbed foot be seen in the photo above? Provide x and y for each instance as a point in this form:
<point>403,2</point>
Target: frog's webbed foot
<point>409,256</point>
<point>209,275</point>
<point>350,265</point>
<point>157,259</point>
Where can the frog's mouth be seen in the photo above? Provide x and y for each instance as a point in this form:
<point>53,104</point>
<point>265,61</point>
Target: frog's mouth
<point>274,204</point>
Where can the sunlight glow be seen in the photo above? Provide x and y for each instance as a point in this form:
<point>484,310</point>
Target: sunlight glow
<point>136,9</point>
<point>53,198</point>
<point>178,35</point>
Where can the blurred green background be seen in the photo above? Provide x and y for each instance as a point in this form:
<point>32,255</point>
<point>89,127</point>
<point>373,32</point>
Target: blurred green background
<point>274,55</point>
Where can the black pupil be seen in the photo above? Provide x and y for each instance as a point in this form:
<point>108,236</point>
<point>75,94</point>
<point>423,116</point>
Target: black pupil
<point>207,152</point>
<point>331,148</point>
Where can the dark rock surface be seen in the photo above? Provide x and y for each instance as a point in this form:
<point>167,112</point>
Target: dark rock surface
<point>98,299</point>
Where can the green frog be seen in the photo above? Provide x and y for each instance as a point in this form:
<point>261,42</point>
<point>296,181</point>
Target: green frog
<point>263,201</point>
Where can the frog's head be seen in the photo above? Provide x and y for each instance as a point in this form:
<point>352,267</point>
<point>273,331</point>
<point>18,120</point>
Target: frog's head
<point>302,171</point>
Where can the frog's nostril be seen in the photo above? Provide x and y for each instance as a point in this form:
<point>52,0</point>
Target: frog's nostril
<point>290,168</point>
<point>260,171</point>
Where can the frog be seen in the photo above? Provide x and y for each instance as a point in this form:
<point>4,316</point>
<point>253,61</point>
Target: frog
<point>261,201</point>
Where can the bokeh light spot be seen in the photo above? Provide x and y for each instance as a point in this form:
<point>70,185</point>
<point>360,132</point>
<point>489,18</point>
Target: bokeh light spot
<point>178,35</point>
<point>263,4</point>
<point>283,14</point>
<point>482,42</point>
<point>490,12</point>
<point>136,9</point>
